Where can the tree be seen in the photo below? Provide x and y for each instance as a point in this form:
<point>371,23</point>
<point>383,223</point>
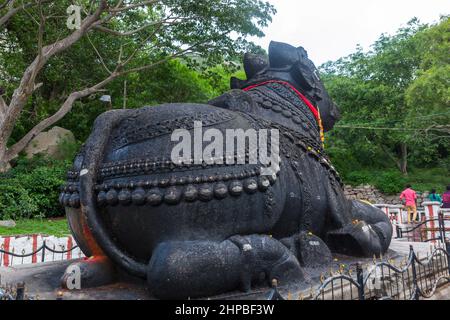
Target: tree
<point>428,96</point>
<point>391,95</point>
<point>125,37</point>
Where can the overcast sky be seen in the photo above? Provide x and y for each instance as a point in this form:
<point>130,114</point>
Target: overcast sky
<point>330,29</point>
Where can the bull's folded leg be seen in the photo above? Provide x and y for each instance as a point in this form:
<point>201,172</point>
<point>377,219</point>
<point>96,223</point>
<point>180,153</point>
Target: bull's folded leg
<point>309,249</point>
<point>182,269</point>
<point>369,233</point>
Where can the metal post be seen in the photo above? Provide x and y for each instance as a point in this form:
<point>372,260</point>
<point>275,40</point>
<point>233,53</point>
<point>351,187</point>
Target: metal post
<point>414,273</point>
<point>43,252</point>
<point>360,280</point>
<point>399,231</point>
<point>441,227</point>
<point>447,248</point>
<point>20,291</point>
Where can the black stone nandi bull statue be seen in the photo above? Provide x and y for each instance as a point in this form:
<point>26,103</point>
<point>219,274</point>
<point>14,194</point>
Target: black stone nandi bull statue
<point>199,229</point>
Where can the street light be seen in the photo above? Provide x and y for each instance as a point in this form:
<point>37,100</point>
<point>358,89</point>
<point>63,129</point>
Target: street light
<point>106,99</point>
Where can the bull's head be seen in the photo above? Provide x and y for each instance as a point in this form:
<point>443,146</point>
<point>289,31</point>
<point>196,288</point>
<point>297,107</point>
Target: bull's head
<point>292,65</point>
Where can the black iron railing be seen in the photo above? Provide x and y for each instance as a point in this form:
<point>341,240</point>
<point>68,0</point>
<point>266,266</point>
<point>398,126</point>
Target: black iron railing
<point>422,229</point>
<point>40,252</point>
<point>413,279</point>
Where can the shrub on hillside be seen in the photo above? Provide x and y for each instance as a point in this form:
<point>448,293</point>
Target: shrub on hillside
<point>356,178</point>
<point>390,182</point>
<point>387,181</point>
<point>31,189</point>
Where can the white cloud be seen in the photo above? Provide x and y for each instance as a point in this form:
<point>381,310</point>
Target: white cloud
<point>329,30</point>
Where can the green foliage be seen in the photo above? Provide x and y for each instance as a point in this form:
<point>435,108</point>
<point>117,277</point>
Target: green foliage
<point>68,149</point>
<point>16,201</point>
<point>356,178</point>
<point>215,30</point>
<point>171,82</point>
<point>389,182</point>
<point>31,189</point>
<point>394,101</point>
<point>392,181</point>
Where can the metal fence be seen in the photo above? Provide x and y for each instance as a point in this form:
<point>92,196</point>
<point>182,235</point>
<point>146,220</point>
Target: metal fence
<point>40,254</point>
<point>412,279</point>
<point>420,231</point>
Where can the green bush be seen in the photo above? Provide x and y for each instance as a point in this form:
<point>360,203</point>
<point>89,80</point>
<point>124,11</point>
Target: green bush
<point>355,178</point>
<point>31,189</point>
<point>387,181</point>
<point>390,182</point>
<point>16,201</point>
<point>393,182</point>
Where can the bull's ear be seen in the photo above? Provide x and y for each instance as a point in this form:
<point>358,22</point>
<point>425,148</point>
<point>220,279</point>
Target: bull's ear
<point>305,71</point>
<point>303,54</point>
<point>304,76</point>
<point>282,54</point>
<point>254,63</point>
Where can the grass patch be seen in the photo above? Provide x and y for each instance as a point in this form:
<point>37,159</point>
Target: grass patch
<point>54,227</point>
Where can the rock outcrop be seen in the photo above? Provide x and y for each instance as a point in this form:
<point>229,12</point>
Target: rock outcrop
<point>373,195</point>
<point>48,143</point>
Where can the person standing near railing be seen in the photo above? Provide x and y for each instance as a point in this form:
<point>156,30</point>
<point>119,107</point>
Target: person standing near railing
<point>410,202</point>
<point>435,196</point>
<point>446,198</point>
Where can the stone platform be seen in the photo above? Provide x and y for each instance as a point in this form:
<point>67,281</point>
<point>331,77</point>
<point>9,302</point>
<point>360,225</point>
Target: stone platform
<point>42,280</point>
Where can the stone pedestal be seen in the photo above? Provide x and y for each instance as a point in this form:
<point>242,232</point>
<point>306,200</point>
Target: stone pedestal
<point>431,213</point>
<point>446,213</point>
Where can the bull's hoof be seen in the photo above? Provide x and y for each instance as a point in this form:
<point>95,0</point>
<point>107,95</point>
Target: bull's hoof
<point>359,239</point>
<point>88,273</point>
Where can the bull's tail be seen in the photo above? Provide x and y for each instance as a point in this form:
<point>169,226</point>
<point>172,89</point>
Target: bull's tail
<point>93,155</point>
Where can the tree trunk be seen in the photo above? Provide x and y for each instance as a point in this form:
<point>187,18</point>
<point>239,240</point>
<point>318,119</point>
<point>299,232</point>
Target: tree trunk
<point>400,163</point>
<point>4,164</point>
<point>403,158</point>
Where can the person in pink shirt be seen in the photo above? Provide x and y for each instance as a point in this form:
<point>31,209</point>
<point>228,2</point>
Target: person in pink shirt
<point>410,202</point>
<point>446,198</point>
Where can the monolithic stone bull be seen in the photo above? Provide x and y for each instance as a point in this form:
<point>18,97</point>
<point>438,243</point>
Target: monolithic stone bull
<point>201,228</point>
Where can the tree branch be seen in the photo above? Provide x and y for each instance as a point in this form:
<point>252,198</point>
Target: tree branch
<point>14,10</point>
<point>118,8</point>
<point>9,114</point>
<point>125,33</point>
<point>3,5</point>
<point>62,111</point>
<point>68,103</point>
<point>3,107</point>
<point>27,83</point>
<point>41,31</point>
<point>389,154</point>
<point>98,54</point>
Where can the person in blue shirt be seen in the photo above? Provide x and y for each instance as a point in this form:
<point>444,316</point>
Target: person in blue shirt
<point>434,196</point>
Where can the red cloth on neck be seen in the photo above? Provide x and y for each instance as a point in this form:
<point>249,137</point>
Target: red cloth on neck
<point>301,96</point>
